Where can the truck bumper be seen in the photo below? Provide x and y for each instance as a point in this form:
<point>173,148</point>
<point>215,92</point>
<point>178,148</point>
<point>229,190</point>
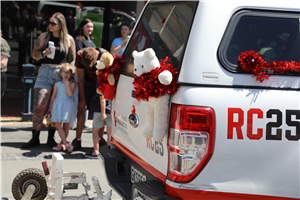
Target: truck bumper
<point>118,171</point>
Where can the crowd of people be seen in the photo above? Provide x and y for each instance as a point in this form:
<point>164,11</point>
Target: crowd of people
<point>66,81</point>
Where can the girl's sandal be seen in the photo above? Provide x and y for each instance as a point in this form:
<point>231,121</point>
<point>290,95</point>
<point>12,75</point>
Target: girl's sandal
<point>70,148</point>
<point>58,147</point>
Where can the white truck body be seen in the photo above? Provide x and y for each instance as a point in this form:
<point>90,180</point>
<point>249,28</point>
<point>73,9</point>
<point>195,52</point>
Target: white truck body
<point>256,139</point>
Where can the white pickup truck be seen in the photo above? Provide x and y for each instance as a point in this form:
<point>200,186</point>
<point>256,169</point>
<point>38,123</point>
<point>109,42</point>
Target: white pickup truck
<point>233,131</point>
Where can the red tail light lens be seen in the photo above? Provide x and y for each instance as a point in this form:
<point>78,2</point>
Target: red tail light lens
<point>191,141</point>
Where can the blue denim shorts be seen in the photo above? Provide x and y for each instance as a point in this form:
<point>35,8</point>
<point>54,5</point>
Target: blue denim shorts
<point>47,76</point>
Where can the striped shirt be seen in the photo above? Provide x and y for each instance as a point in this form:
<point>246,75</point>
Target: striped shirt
<point>89,72</point>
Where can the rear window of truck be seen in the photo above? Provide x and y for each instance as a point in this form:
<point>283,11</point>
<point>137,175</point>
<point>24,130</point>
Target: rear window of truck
<point>164,27</point>
<point>273,35</point>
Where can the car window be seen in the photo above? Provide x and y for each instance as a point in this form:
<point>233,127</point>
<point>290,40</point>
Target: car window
<point>116,20</point>
<point>51,9</point>
<point>273,35</point>
<point>165,28</point>
<point>46,10</point>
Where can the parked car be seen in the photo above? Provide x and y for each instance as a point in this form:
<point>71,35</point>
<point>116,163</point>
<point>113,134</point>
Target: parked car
<point>230,134</point>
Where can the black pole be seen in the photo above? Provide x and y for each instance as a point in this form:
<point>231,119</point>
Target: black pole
<point>105,35</point>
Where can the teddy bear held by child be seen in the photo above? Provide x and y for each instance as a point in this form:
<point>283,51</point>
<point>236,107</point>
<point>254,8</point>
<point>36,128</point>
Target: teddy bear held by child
<point>106,76</point>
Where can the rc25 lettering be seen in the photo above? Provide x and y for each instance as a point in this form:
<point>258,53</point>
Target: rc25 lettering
<point>157,146</point>
<point>277,135</point>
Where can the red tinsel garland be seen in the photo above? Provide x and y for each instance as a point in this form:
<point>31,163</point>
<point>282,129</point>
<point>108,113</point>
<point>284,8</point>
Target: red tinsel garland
<point>251,61</point>
<point>114,69</point>
<point>147,85</point>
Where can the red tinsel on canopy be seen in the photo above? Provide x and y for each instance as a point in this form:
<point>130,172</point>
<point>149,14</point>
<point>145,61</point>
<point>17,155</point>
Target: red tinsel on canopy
<point>251,61</point>
<point>114,69</point>
<point>147,85</point>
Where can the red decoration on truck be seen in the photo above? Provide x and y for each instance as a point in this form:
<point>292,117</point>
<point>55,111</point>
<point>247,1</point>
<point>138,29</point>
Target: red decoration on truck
<point>147,85</point>
<point>251,61</point>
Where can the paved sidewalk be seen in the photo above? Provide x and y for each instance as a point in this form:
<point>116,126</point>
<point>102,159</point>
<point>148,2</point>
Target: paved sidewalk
<point>14,159</point>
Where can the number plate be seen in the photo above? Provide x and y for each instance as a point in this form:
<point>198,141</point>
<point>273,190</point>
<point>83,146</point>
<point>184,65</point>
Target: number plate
<point>136,175</point>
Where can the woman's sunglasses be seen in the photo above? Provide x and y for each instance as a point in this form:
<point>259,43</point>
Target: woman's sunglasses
<point>52,23</point>
<point>66,73</point>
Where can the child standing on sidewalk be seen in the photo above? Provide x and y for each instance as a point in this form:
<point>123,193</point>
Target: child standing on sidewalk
<point>62,106</point>
<point>101,118</point>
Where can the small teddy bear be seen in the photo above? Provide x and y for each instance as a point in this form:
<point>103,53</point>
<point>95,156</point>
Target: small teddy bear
<point>106,76</point>
<point>47,121</point>
<point>154,82</point>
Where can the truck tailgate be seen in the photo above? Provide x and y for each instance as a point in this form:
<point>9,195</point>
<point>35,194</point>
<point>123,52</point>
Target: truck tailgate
<point>149,154</point>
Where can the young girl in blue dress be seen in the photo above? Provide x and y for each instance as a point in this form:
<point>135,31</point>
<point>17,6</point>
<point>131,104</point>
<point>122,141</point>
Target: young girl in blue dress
<point>62,108</point>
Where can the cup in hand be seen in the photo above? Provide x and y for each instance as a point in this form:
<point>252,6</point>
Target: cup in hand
<point>52,49</point>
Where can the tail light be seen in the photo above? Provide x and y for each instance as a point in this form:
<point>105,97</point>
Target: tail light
<point>191,141</point>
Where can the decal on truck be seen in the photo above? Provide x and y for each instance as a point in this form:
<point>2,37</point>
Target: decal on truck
<point>156,147</point>
<point>120,122</point>
<point>253,113</point>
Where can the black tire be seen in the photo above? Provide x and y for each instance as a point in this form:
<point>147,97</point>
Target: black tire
<point>27,177</point>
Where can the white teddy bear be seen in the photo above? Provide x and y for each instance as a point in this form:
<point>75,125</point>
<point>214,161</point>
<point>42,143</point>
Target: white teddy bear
<point>154,83</point>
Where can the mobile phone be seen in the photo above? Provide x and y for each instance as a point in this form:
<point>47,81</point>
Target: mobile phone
<point>52,48</point>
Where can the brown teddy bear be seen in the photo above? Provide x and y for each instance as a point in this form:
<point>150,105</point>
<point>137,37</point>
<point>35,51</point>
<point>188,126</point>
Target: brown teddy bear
<point>107,75</point>
<point>47,120</point>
